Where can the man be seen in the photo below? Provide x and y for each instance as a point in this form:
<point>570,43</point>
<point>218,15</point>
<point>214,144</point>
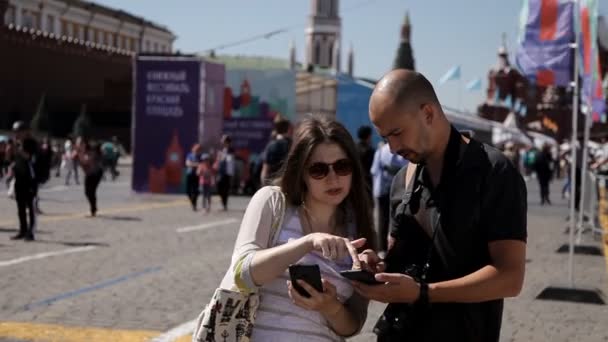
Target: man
<point>366,153</point>
<point>25,189</point>
<point>22,133</point>
<point>384,168</point>
<point>276,151</point>
<point>458,223</point>
<point>225,167</point>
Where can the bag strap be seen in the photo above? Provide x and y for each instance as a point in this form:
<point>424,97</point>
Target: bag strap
<point>277,220</point>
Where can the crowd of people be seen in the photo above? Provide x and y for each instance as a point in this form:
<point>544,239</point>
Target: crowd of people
<point>27,163</point>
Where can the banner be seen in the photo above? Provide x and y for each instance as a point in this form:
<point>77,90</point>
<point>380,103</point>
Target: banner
<point>165,121</point>
<point>544,55</point>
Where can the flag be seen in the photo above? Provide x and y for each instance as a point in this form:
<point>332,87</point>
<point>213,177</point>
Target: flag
<point>452,74</point>
<point>546,31</point>
<point>592,92</point>
<point>474,85</point>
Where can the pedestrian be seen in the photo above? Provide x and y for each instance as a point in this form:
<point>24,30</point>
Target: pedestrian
<point>192,181</point>
<point>544,173</point>
<point>457,244</point>
<point>384,168</point>
<point>225,169</point>
<point>276,151</point>
<point>70,162</point>
<point>206,176</point>
<point>366,154</point>
<point>25,189</point>
<point>89,155</point>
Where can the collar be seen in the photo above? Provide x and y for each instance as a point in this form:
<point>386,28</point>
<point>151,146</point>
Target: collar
<point>454,153</point>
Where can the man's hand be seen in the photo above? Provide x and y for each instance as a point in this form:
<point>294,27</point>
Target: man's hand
<point>397,288</point>
<point>370,261</point>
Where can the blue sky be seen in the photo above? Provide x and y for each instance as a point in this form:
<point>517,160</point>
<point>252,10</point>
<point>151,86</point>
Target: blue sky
<point>445,32</point>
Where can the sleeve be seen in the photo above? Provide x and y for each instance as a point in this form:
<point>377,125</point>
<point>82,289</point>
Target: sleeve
<point>358,305</point>
<point>254,234</point>
<point>504,204</point>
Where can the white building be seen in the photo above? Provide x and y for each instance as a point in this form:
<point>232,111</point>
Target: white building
<point>87,21</point>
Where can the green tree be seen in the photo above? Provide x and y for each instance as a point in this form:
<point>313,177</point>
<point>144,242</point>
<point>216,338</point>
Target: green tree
<point>40,121</point>
<point>82,125</point>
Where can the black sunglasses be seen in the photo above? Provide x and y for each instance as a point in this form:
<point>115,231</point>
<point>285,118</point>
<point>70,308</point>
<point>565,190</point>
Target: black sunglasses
<point>320,170</point>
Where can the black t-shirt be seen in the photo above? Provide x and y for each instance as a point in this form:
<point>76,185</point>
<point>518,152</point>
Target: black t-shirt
<point>275,154</point>
<point>481,198</point>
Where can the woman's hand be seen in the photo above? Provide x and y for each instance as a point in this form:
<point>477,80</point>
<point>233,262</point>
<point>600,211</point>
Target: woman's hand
<point>325,302</point>
<point>335,247</point>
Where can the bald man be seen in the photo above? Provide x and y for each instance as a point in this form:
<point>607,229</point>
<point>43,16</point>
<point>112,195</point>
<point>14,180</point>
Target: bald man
<point>458,231</point>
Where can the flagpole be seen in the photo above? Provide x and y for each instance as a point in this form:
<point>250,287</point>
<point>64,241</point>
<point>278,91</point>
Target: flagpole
<point>573,151</point>
<point>581,210</point>
<point>460,95</point>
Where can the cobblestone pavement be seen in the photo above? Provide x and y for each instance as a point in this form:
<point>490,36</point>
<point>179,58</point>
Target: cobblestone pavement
<point>148,264</point>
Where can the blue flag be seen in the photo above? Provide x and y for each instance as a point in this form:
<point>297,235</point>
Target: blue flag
<point>451,75</point>
<point>474,85</point>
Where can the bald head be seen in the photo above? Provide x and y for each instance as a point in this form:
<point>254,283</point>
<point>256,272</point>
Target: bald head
<point>404,88</point>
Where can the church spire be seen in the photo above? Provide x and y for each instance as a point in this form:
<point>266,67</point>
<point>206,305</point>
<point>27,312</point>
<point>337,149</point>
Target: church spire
<point>406,28</point>
<point>351,61</point>
<point>292,55</point>
<point>405,56</point>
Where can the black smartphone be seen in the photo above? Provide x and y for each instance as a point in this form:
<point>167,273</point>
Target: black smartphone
<point>365,277</point>
<point>311,274</point>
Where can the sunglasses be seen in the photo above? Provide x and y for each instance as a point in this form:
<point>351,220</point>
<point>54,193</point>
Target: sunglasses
<point>319,170</point>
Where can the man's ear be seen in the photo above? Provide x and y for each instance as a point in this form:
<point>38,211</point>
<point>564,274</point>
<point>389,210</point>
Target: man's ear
<point>429,113</point>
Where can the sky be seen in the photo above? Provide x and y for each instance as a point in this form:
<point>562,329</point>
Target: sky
<point>445,33</point>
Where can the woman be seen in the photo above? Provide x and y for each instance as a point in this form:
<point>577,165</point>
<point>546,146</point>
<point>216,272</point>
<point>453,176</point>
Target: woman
<point>327,207</point>
<point>89,156</point>
<point>192,161</point>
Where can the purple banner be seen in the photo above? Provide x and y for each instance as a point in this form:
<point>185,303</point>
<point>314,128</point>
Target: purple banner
<point>165,121</point>
<point>544,55</point>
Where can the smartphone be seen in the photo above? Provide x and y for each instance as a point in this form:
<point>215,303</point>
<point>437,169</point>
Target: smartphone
<point>311,274</point>
<point>365,277</point>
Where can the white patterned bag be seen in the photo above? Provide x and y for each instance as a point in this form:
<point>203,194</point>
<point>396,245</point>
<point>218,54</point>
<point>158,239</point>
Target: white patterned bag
<point>230,315</point>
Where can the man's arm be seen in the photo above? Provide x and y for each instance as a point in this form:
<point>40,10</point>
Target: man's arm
<point>503,278</point>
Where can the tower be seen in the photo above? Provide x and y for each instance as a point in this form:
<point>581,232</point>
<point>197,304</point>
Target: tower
<point>350,67</point>
<point>405,56</point>
<point>292,55</point>
<point>323,34</point>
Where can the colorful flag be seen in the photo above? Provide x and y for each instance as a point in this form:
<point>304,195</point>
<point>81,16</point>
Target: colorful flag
<point>452,74</point>
<point>592,92</point>
<point>544,55</point>
<point>474,85</point>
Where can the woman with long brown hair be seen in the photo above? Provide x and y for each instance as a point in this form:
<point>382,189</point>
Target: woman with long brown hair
<point>327,217</point>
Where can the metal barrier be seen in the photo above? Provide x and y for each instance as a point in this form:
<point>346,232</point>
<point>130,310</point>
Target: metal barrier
<point>591,208</point>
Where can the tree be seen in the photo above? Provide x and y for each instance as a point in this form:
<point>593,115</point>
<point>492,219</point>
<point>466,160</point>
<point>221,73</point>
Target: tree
<point>82,125</point>
<point>40,120</point>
